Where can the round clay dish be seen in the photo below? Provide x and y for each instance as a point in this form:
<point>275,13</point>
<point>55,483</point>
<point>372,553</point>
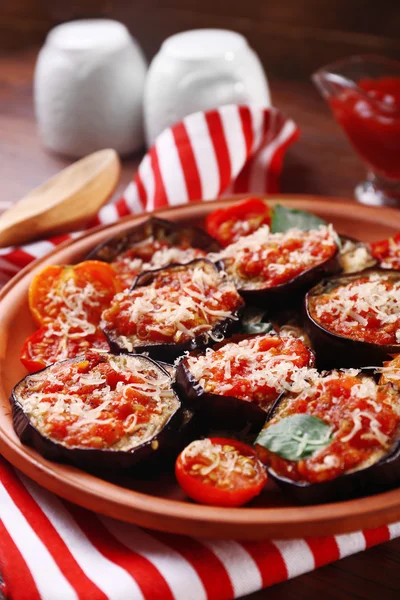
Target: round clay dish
<point>159,503</point>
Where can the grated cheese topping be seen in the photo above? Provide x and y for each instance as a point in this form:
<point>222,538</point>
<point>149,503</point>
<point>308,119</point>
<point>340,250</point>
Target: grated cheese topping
<point>71,306</point>
<point>221,465</point>
<point>150,254</point>
<point>78,403</point>
<point>264,259</point>
<point>365,308</point>
<point>255,369</point>
<point>178,305</point>
<point>364,417</point>
<point>355,257</point>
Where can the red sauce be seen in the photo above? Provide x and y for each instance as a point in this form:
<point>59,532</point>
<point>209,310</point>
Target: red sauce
<point>334,403</point>
<point>246,375</point>
<point>129,407</point>
<point>372,328</point>
<point>153,313</point>
<point>141,258</point>
<point>372,122</point>
<point>387,252</point>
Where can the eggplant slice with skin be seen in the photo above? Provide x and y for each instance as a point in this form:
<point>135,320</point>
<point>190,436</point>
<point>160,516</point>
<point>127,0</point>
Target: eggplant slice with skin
<point>146,300</point>
<point>172,237</point>
<point>282,295</point>
<point>49,414</point>
<point>334,350</point>
<point>229,412</point>
<point>373,476</point>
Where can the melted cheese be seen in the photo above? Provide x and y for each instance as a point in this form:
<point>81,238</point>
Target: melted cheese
<point>375,428</point>
<point>349,303</point>
<point>167,310</point>
<point>223,462</point>
<point>68,405</point>
<point>72,317</point>
<point>355,257</point>
<point>366,389</point>
<point>264,246</point>
<point>258,367</point>
<point>160,258</point>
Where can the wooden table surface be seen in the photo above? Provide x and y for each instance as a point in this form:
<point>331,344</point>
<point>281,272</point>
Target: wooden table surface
<point>320,163</point>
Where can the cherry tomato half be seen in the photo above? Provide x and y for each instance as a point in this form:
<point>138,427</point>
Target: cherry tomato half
<point>387,252</point>
<point>45,347</point>
<point>227,225</point>
<point>82,291</point>
<point>220,472</point>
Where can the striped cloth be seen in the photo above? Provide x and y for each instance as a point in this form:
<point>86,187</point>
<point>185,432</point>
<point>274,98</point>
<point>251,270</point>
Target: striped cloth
<point>54,550</point>
<point>235,149</point>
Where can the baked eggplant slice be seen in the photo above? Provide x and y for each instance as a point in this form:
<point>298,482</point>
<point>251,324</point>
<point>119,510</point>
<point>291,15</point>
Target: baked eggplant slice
<point>152,245</point>
<point>387,252</point>
<point>100,412</point>
<point>274,270</point>
<point>235,383</point>
<point>173,310</point>
<point>337,439</point>
<point>354,320</point>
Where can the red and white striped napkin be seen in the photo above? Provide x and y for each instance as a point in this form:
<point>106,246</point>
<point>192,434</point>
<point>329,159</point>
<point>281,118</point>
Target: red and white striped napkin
<point>234,149</point>
<point>53,550</point>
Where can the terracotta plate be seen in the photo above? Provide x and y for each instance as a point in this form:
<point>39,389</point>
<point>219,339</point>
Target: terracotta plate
<point>159,504</point>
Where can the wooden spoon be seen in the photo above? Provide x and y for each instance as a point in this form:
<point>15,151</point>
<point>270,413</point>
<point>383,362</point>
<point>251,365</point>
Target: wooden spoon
<point>65,202</point>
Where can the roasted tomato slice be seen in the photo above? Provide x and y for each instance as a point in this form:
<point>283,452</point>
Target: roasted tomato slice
<point>49,345</point>
<point>72,294</point>
<point>387,252</point>
<point>220,472</point>
<point>227,225</point>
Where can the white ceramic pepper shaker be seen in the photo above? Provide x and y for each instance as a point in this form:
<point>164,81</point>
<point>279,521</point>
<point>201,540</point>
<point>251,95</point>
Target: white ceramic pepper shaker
<point>200,70</point>
<point>88,88</point>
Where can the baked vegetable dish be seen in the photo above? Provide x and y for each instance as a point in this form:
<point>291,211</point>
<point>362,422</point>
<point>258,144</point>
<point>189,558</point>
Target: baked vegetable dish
<point>209,349</point>
<point>177,308</point>
<point>98,410</point>
<point>340,434</point>
<point>235,383</point>
<point>354,320</point>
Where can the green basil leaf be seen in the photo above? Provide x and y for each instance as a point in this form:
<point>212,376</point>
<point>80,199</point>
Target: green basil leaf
<point>255,320</point>
<point>296,437</point>
<point>284,218</point>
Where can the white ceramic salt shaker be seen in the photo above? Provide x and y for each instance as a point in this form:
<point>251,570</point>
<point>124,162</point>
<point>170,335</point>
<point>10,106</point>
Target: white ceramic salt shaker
<point>88,88</point>
<point>200,70</point>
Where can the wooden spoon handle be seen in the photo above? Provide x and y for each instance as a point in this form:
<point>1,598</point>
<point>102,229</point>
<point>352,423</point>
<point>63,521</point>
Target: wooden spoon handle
<point>65,202</point>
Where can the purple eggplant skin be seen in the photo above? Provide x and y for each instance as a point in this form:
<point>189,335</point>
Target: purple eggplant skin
<point>379,477</point>
<point>335,351</point>
<point>168,353</point>
<point>165,445</point>
<point>160,229</point>
<point>286,295</point>
<point>218,411</point>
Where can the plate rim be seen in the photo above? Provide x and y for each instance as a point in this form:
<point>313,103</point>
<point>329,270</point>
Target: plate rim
<point>177,516</point>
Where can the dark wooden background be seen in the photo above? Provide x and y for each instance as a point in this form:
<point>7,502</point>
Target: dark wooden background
<point>292,37</point>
